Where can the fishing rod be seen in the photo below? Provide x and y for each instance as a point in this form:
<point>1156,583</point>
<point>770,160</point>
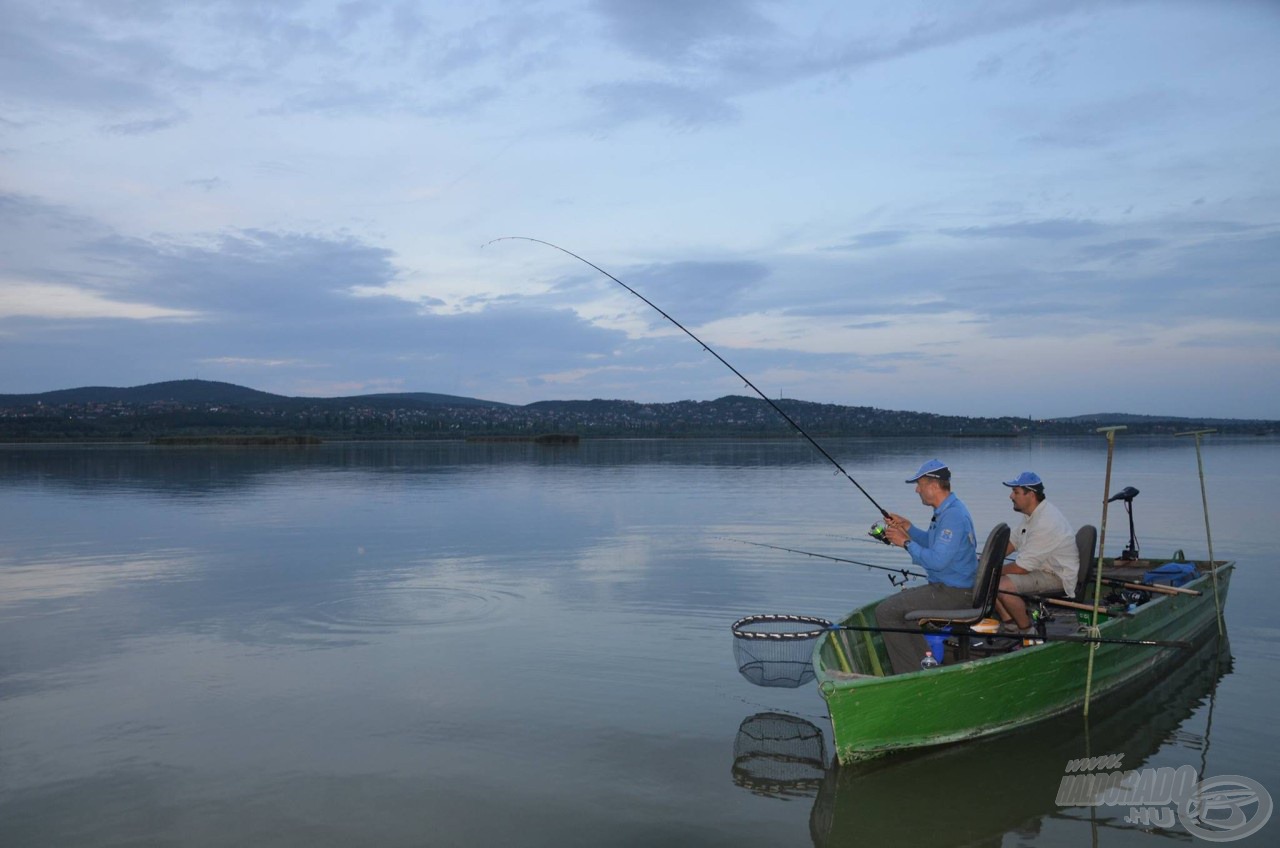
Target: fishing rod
<point>1062,602</point>
<point>860,539</point>
<point>1050,637</point>
<point>906,573</point>
<point>1149,587</point>
<point>708,349</point>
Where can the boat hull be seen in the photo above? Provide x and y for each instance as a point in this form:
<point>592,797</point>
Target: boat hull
<point>873,715</point>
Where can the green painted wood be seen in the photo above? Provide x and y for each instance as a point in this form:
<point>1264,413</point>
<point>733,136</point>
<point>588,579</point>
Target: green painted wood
<point>873,715</point>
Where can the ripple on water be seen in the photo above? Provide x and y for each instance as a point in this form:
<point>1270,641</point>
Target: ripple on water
<point>366,614</point>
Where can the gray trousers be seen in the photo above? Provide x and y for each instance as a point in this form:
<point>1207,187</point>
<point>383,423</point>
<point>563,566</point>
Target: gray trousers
<point>907,649</point>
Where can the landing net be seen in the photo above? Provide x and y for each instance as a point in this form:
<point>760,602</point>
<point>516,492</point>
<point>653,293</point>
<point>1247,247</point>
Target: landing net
<point>777,650</point>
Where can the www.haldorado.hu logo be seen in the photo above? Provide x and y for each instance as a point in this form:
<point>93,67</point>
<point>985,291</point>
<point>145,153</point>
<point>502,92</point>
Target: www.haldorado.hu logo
<point>1219,809</point>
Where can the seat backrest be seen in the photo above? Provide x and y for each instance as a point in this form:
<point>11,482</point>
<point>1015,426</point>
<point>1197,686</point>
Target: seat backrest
<point>987,579</point>
<point>1086,545</point>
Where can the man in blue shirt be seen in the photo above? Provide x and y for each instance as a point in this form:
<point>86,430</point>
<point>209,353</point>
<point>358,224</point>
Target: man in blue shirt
<point>948,552</point>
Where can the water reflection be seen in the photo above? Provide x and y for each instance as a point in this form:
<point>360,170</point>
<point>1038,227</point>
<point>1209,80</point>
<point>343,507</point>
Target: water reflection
<point>501,644</point>
<point>191,469</point>
<point>779,755</point>
<point>973,795</point>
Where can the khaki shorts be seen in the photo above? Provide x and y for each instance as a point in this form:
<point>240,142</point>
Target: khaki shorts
<point>1035,582</point>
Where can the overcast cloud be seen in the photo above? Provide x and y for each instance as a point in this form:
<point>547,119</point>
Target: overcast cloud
<point>1033,208</point>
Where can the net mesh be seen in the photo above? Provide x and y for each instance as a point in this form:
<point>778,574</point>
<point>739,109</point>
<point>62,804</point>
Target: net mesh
<point>777,650</point>
<point>779,755</point>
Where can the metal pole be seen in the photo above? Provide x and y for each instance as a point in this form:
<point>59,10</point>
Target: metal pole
<point>1204,499</point>
<point>1102,541</point>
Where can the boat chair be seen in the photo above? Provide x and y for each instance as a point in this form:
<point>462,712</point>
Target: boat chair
<point>985,584</point>
<point>1086,546</point>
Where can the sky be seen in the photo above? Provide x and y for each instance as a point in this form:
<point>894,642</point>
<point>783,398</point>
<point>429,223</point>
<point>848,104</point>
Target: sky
<point>1010,207</point>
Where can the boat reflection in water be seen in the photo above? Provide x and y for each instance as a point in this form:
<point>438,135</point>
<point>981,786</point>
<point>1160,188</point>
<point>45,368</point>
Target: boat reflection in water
<point>974,794</point>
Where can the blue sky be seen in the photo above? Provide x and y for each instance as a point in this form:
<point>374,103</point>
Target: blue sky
<point>1026,208</point>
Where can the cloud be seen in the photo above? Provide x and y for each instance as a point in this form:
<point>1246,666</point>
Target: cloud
<point>255,275</point>
<point>676,105</point>
<point>704,290</point>
<point>292,311</point>
<point>1122,249</point>
<point>144,127</point>
<point>1054,229</point>
<point>275,310</point>
<point>207,184</point>
<point>676,31</point>
<point>141,63</point>
<point>1107,120</point>
<point>47,59</point>
<point>37,238</point>
<point>696,292</point>
<point>752,45</point>
<point>702,58</point>
<point>877,238</point>
<point>256,363</point>
<point>1232,340</point>
<point>37,300</point>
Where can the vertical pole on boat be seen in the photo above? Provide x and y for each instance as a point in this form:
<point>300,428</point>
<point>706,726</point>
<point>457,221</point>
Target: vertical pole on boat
<point>1204,499</point>
<point>1102,542</point>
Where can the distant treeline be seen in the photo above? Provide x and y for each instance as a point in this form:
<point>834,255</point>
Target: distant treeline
<point>183,411</point>
<point>237,441</point>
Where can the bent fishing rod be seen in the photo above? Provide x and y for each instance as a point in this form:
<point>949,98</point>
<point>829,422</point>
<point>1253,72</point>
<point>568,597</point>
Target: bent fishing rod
<point>708,349</point>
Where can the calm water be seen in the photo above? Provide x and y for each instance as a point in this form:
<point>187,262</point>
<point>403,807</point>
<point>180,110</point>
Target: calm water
<point>448,644</point>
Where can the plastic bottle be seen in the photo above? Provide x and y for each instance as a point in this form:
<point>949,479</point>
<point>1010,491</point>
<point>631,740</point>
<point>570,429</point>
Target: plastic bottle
<point>928,661</point>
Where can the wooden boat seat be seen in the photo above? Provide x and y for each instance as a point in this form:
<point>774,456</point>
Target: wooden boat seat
<point>985,584</point>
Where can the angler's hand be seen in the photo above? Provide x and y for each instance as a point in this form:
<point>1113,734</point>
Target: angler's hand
<point>896,535</point>
<point>898,521</point>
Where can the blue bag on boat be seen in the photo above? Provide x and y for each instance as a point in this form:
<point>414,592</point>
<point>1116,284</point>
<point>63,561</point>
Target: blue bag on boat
<point>937,644</point>
<point>1171,574</point>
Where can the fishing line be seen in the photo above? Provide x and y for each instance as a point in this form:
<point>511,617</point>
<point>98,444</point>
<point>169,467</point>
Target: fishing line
<point>708,349</point>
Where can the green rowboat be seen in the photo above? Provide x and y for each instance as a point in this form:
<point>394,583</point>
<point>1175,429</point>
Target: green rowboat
<point>873,714</point>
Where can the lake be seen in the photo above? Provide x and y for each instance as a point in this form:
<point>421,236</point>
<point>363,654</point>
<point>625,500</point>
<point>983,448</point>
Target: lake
<point>407,644</point>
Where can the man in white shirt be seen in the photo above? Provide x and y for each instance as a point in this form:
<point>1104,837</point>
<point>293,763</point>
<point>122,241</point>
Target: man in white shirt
<point>1047,558</point>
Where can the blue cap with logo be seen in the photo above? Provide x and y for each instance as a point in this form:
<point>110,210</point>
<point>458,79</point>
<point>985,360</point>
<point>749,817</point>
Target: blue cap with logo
<point>1026,480</point>
<point>932,468</point>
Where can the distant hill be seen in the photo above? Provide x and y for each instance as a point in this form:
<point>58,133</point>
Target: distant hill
<point>210,392</point>
<point>397,400</point>
<point>197,408</point>
<point>174,391</point>
<point>1108,418</point>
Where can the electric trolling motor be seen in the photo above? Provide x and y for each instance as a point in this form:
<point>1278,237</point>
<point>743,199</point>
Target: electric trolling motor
<point>1127,494</point>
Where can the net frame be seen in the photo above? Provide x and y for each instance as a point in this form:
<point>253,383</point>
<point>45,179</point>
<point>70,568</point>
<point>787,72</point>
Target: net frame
<point>773,618</point>
<point>778,652</point>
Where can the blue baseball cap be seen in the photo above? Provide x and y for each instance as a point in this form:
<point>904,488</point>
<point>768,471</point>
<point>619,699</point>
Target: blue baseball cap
<point>1027,480</point>
<point>932,468</point>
